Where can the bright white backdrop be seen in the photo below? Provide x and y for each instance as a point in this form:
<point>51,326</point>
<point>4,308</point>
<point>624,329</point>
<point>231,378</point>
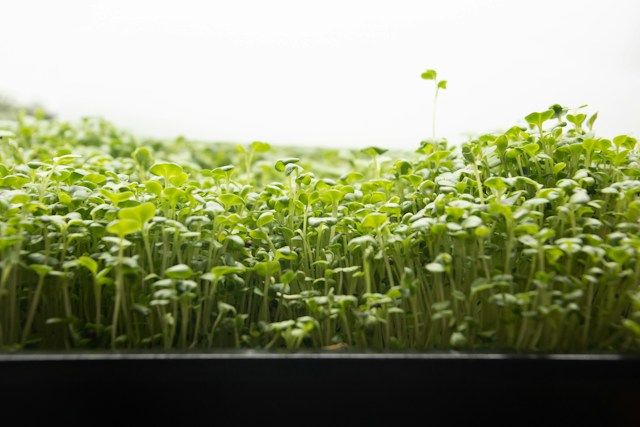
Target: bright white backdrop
<point>329,73</point>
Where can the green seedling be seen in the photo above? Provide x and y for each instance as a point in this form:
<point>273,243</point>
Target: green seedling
<point>439,84</point>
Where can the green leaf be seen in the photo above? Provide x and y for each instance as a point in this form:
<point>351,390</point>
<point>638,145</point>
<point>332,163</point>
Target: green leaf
<point>537,119</point>
<point>458,339</point>
<point>286,253</point>
<point>588,144</point>
<point>220,271</point>
<point>89,264</point>
<point>619,255</point>
<point>20,197</point>
<point>65,159</point>
<point>454,212</point>
<point>472,222</point>
<point>116,198</point>
<point>632,326</point>
<point>267,268</point>
<point>374,220</point>
<point>288,277</point>
<point>332,196</point>
<point>141,213</point>
<point>620,140</point>
<point>429,75</point>
<point>373,151</point>
<point>282,163</point>
<point>442,84</point>
<point>102,276</point>
<point>439,156</point>
<point>8,241</point>
<point>58,321</point>
<point>260,147</point>
<point>142,156</point>
<point>304,178</point>
<point>166,169</point>
<point>282,326</point>
<point>529,181</point>
<point>482,231</point>
<point>265,219</point>
<point>497,183</point>
<point>558,110</point>
<point>577,119</point>
<point>226,308</point>
<point>502,143</point>
<point>291,167</point>
<point>153,187</point>
<point>603,144</point>
<point>95,178</point>
<point>258,235</point>
<point>179,271</point>
<point>41,269</point>
<point>529,241</point>
<point>546,115</point>
<point>222,171</point>
<point>537,201</point>
<point>122,227</point>
<point>315,221</point>
<point>230,199</point>
<point>64,198</point>
<point>579,197</point>
<point>441,305</point>
<point>351,177</point>
<point>592,120</point>
<point>558,167</point>
<point>435,267</point>
<point>362,241</point>
<point>403,167</point>
<point>15,181</point>
<point>179,179</point>
<point>497,208</point>
<point>533,119</point>
<point>174,195</point>
<point>531,149</point>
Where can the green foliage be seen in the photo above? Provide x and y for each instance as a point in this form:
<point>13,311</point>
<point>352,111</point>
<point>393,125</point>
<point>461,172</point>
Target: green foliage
<point>526,240</point>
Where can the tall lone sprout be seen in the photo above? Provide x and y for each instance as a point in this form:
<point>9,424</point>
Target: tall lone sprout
<point>440,84</point>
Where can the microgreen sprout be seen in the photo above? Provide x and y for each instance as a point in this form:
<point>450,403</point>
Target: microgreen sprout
<point>439,84</point>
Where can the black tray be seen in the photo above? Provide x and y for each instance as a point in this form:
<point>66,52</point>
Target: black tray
<point>241,387</point>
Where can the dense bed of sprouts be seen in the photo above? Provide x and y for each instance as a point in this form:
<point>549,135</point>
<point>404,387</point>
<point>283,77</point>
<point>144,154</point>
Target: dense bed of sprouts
<point>527,241</point>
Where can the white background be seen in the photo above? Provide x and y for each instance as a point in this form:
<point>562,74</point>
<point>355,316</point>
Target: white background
<point>334,73</point>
